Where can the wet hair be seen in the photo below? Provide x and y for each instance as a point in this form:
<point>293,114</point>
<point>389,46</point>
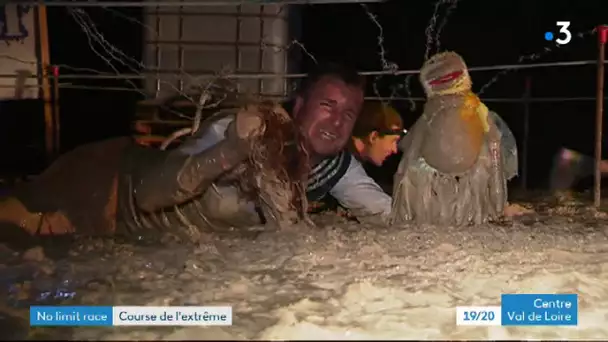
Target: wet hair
<point>344,73</point>
<point>376,116</point>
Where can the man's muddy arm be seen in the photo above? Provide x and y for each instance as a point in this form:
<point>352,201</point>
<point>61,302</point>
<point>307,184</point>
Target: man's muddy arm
<point>188,171</point>
<point>177,177</point>
<point>359,193</point>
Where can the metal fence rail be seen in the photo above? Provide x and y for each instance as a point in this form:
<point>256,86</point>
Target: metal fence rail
<point>182,74</point>
<point>199,3</point>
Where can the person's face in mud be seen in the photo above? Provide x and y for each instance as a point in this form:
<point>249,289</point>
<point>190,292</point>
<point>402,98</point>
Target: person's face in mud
<point>326,115</point>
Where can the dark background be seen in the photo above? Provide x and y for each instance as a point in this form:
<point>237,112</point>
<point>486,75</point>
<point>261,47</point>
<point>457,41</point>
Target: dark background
<point>484,32</point>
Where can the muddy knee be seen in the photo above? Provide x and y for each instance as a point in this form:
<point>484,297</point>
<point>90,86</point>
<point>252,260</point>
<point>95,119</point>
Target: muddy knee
<point>14,214</point>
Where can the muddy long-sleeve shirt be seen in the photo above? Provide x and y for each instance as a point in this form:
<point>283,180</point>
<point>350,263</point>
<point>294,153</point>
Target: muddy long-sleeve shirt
<point>354,190</point>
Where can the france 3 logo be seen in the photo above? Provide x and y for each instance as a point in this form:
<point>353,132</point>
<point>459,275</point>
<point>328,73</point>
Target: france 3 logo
<point>565,36</point>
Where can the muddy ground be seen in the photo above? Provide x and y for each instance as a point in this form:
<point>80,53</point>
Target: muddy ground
<point>341,281</point>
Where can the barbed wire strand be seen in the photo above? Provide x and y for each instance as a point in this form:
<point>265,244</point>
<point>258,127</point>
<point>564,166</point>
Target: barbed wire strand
<point>93,34</point>
<point>430,28</point>
<point>371,98</point>
<point>194,81</point>
<point>533,57</point>
<point>430,39</point>
<point>114,52</point>
<point>132,64</point>
<point>444,22</point>
<point>385,64</point>
<point>78,16</point>
<point>62,66</point>
<point>379,98</point>
<point>99,75</point>
<point>263,43</point>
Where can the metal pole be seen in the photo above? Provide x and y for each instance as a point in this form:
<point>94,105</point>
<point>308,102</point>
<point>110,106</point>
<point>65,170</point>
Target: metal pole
<point>56,115</point>
<point>524,157</point>
<point>602,32</point>
<point>43,41</point>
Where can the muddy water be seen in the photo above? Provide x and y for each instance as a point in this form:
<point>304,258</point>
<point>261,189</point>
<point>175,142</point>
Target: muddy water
<point>341,281</point>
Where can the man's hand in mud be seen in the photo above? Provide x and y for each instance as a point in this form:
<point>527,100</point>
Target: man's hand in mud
<point>250,122</point>
<point>514,210</point>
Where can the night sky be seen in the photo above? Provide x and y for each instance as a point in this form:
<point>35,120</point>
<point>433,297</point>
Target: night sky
<point>484,32</point>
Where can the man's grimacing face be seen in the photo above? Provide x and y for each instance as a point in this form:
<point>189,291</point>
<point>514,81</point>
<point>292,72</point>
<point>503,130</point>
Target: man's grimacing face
<point>327,114</point>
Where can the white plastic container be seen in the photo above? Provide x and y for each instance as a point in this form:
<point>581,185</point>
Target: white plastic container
<point>196,42</point>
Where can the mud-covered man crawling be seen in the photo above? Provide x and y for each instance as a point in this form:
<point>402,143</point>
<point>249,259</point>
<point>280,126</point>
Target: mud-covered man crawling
<point>247,167</point>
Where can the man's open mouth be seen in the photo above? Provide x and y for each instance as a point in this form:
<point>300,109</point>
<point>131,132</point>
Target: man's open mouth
<point>327,136</point>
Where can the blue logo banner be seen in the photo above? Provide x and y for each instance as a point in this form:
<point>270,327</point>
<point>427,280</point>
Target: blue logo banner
<point>105,316</point>
<point>71,316</point>
<point>539,309</point>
